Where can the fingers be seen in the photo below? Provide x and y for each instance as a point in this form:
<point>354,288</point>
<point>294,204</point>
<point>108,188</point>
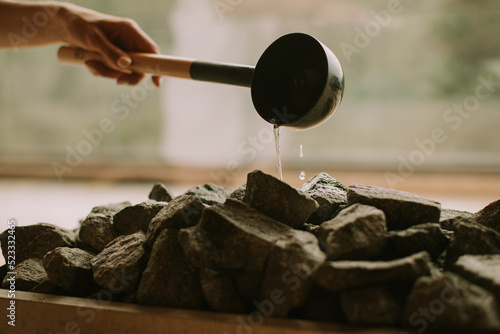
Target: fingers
<point>122,78</point>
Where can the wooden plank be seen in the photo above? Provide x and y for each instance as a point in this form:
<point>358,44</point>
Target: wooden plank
<point>39,313</point>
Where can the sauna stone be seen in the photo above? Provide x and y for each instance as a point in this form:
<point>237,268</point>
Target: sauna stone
<point>169,280</point>
<point>210,194</point>
<point>34,241</point>
<point>287,278</point>
<point>330,194</point>
<point>70,269</point>
<point>450,303</point>
<point>119,266</point>
<point>96,231</point>
<point>490,216</point>
<point>402,209</point>
<point>160,193</point>
<point>356,233</point>
<point>182,212</point>
<point>278,199</point>
<point>29,273</point>
<point>427,237</point>
<point>482,270</point>
<point>111,208</point>
<point>473,239</point>
<point>343,275</point>
<point>136,217</point>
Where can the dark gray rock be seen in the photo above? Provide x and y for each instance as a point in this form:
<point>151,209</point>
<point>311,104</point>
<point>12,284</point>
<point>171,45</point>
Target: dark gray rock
<point>452,304</point>
<point>287,278</point>
<point>343,275</point>
<point>374,305</point>
<point>473,239</point>
<point>210,194</point>
<point>29,273</point>
<point>34,241</point>
<point>221,292</point>
<point>449,216</point>
<point>330,194</point>
<point>70,269</point>
<point>239,194</point>
<point>118,267</point>
<point>356,233</point>
<point>111,208</point>
<point>169,280</point>
<point>182,212</point>
<point>321,305</point>
<point>96,231</point>
<point>233,236</point>
<point>490,216</point>
<point>160,193</point>
<point>402,209</point>
<point>248,283</point>
<point>278,199</point>
<point>482,270</point>
<point>424,237</point>
<point>137,217</point>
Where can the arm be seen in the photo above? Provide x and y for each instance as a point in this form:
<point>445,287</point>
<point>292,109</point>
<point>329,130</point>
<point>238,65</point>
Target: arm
<point>26,24</point>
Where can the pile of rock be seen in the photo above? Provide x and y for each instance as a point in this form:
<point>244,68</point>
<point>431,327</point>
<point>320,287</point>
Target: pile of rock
<point>361,254</point>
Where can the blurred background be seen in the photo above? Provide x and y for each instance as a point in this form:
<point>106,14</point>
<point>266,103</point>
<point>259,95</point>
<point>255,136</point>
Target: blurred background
<point>420,111</point>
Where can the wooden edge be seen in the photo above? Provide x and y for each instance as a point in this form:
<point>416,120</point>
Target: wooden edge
<point>39,313</point>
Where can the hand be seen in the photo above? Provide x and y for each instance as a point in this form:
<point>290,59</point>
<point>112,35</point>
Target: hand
<point>111,36</point>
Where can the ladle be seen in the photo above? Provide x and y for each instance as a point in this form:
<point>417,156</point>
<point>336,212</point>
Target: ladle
<point>297,83</point>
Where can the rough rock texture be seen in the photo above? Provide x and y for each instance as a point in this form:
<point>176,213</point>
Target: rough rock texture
<point>111,208</point>
<point>239,193</point>
<point>278,200</point>
<point>160,193</point>
<point>473,239</point>
<point>287,277</point>
<point>452,304</point>
<point>137,217</point>
<point>96,231</point>
<point>183,211</point>
<point>402,209</point>
<point>356,233</point>
<point>34,241</point>
<point>448,216</point>
<point>221,292</point>
<point>490,216</point>
<point>373,305</point>
<point>482,270</point>
<point>30,273</point>
<point>342,275</point>
<point>233,236</point>
<point>424,237</point>
<point>210,194</point>
<point>70,269</point>
<point>330,194</point>
<point>169,280</point>
<point>118,267</point>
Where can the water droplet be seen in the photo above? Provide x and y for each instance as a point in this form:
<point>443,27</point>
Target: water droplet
<point>302,175</point>
<point>301,153</point>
